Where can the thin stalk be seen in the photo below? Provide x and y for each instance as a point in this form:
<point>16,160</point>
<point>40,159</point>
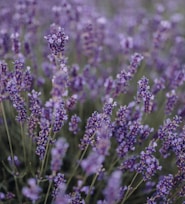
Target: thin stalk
<point>76,167</point>
<point>47,194</point>
<point>8,133</point>
<point>48,150</point>
<point>127,193</point>
<point>24,143</point>
<point>43,161</point>
<point>92,184</point>
<point>17,189</point>
<point>135,188</point>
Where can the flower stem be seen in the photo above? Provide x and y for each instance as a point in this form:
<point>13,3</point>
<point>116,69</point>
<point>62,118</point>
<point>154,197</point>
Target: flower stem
<point>76,167</point>
<point>127,193</point>
<point>89,192</point>
<point>47,194</point>
<point>23,143</point>
<point>8,133</point>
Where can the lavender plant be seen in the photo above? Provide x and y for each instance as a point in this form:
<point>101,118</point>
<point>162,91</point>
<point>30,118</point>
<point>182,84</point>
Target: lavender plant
<point>92,102</point>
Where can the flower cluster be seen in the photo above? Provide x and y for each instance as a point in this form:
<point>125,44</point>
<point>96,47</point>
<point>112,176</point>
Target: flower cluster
<point>92,101</point>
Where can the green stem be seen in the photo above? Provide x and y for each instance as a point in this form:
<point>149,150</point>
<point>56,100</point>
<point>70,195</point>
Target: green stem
<point>48,150</point>
<point>76,167</point>
<point>17,189</point>
<point>127,193</point>
<point>135,188</point>
<point>92,184</point>
<point>23,143</point>
<point>47,194</point>
<point>8,133</point>
<point>43,161</point>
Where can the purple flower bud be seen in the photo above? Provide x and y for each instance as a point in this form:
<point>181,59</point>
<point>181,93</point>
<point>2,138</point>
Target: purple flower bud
<point>112,191</point>
<point>58,153</point>
<point>92,163</point>
<point>74,124</point>
<point>164,186</point>
<point>32,191</point>
<point>57,41</point>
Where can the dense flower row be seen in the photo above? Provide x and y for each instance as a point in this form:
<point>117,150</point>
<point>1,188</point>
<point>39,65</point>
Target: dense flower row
<point>92,102</point>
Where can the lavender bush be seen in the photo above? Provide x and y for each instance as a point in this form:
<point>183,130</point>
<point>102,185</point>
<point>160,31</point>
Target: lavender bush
<point>92,102</point>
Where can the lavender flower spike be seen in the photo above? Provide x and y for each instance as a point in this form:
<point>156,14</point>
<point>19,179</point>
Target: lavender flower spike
<point>57,153</point>
<point>32,191</point>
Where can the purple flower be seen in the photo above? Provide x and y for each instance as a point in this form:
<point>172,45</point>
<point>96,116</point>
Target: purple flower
<point>112,190</point>
<point>17,100</point>
<point>159,84</point>
<point>15,161</point>
<point>92,163</point>
<point>32,191</point>
<point>169,126</point>
<point>60,83</point>
<point>61,196</point>
<point>58,153</point>
<point>145,94</point>
<point>71,102</point>
<point>151,201</point>
<point>161,34</point>
<point>74,124</point>
<point>58,180</point>
<point>3,80</point>
<point>164,186</point>
<point>59,116</point>
<point>35,112</point>
<point>149,164</point>
<point>108,106</point>
<point>171,99</point>
<point>16,45</point>
<point>129,164</point>
<point>43,136</point>
<point>2,196</point>
<point>57,40</point>
<point>127,138</point>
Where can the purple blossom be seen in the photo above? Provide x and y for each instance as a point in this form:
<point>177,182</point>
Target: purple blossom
<point>92,163</point>
<point>159,84</point>
<point>161,34</point>
<point>17,100</point>
<point>123,78</point>
<point>129,164</point>
<point>151,201</point>
<point>149,164</point>
<point>57,40</point>
<point>43,136</point>
<point>171,99</point>
<point>169,126</point>
<point>72,101</point>
<point>112,190</point>
<point>108,106</point>
<point>16,45</point>
<point>145,94</point>
<point>32,191</point>
<point>127,138</point>
<point>58,180</point>
<point>164,186</point>
<point>61,196</point>
<point>103,142</point>
<point>15,161</point>
<point>35,112</point>
<point>59,115</point>
<point>74,124</point>
<point>2,196</point>
<point>58,153</point>
<point>60,82</point>
<point>3,80</point>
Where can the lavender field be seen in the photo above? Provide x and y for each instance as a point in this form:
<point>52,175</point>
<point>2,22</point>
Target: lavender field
<point>92,102</point>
